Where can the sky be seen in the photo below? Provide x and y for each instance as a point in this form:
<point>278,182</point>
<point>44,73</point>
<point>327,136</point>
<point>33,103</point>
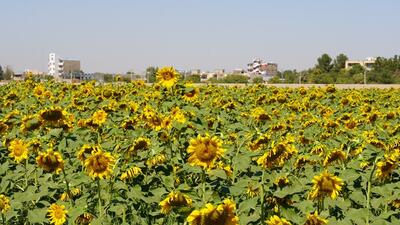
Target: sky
<point>130,35</point>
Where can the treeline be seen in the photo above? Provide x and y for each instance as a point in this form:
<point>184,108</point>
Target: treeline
<point>332,71</point>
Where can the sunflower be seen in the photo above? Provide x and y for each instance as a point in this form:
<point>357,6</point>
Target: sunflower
<point>50,161</point>
<point>156,160</point>
<point>52,115</point>
<point>395,203</point>
<point>324,185</point>
<point>281,181</point>
<point>84,219</point>
<point>334,156</point>
<point>252,190</point>
<point>191,93</point>
<point>39,91</point>
<point>57,214</point>
<point>204,151</point>
<point>18,150</point>
<point>85,151</point>
<point>174,199</point>
<point>278,154</point>
<point>3,127</point>
<point>4,204</point>
<point>167,76</point>
<point>276,220</point>
<point>140,144</point>
<point>99,164</point>
<point>30,123</point>
<point>314,219</point>
<point>178,115</point>
<point>223,214</point>
<point>65,196</point>
<point>131,173</point>
<point>385,167</point>
<point>99,117</point>
<point>259,114</point>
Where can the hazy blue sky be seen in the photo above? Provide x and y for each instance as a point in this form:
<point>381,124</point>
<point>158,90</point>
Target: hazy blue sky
<point>118,35</point>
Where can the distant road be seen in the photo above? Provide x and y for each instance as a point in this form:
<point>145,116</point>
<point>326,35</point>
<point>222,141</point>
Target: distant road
<point>339,86</point>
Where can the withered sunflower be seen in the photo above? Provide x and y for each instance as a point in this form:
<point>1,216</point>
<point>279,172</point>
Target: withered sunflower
<point>174,199</point>
<point>50,161</point>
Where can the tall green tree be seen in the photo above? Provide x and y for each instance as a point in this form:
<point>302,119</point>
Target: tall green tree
<point>340,62</point>
<point>151,73</point>
<point>1,73</point>
<point>325,63</point>
<point>8,74</point>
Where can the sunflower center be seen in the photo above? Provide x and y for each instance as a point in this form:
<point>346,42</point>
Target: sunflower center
<point>18,151</point>
<point>207,151</point>
<point>327,185</point>
<point>100,164</point>
<point>168,75</point>
<point>58,214</point>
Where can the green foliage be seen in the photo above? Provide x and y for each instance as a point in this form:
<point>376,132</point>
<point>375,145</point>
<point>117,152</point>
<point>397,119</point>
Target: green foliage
<point>195,78</point>
<point>8,74</point>
<point>339,62</point>
<point>235,78</point>
<point>1,73</point>
<point>324,63</point>
<point>258,80</point>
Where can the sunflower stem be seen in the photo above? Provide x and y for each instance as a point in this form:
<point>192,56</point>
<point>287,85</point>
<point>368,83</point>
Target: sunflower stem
<point>68,189</point>
<point>99,196</point>
<point>203,181</point>
<point>369,190</point>
<point>3,218</point>
<point>262,195</point>
<point>26,174</point>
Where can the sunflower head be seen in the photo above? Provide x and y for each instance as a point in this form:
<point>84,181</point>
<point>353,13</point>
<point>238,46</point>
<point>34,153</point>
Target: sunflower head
<point>276,220</point>
<point>99,164</point>
<point>174,199</point>
<point>204,151</point>
<point>50,161</point>
<point>99,117</point>
<point>57,214</point>
<point>325,184</point>
<point>191,93</point>
<point>85,151</point>
<point>4,204</point>
<point>223,214</point>
<point>84,219</point>
<point>18,150</point>
<point>53,114</point>
<point>314,219</point>
<point>30,123</point>
<point>167,76</point>
<point>385,167</point>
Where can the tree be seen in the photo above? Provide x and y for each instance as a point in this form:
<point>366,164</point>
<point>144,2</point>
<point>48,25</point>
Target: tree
<point>325,63</point>
<point>258,80</point>
<point>340,62</point>
<point>1,73</point>
<point>195,78</point>
<point>8,74</point>
<point>151,73</point>
<point>235,78</point>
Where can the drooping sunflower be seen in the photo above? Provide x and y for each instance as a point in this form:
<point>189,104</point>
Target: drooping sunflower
<point>85,151</point>
<point>191,93</point>
<point>281,181</point>
<point>334,156</point>
<point>99,117</point>
<point>140,144</point>
<point>52,115</point>
<point>167,76</point>
<point>131,173</point>
<point>99,164</point>
<point>204,151</point>
<point>259,114</point>
<point>223,214</point>
<point>18,150</point>
<point>385,167</point>
<point>4,204</point>
<point>314,219</point>
<point>57,214</point>
<point>73,193</point>
<point>30,123</point>
<point>50,161</point>
<point>84,219</point>
<point>174,199</point>
<point>278,154</point>
<point>276,220</point>
<point>325,184</point>
<point>156,160</point>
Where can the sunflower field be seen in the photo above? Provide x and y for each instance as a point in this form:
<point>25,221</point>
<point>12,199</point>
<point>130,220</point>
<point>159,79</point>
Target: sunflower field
<point>176,153</point>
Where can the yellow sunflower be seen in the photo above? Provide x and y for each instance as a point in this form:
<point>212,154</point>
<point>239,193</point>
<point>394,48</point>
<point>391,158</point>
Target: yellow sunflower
<point>140,144</point>
<point>174,199</point>
<point>334,156</point>
<point>99,117</point>
<point>167,76</point>
<point>314,219</point>
<point>99,164</point>
<point>385,167</point>
<point>131,173</point>
<point>276,220</point>
<point>57,214</point>
<point>223,214</point>
<point>30,123</point>
<point>4,204</point>
<point>324,185</point>
<point>204,151</point>
<point>259,114</point>
<point>252,190</point>
<point>156,160</point>
<point>65,196</point>
<point>191,93</point>
<point>52,115</point>
<point>18,150</point>
<point>84,219</point>
<point>85,151</point>
<point>50,161</point>
<point>3,127</point>
<point>178,115</point>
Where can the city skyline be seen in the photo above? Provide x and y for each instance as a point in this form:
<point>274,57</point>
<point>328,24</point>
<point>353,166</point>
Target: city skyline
<point>120,36</point>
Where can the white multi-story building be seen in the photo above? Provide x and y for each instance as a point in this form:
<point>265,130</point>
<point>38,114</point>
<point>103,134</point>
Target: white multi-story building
<point>52,66</point>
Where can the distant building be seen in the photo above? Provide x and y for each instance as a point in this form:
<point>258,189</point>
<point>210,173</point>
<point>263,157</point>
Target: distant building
<point>68,66</point>
<point>52,65</point>
<point>258,68</point>
<point>367,64</point>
